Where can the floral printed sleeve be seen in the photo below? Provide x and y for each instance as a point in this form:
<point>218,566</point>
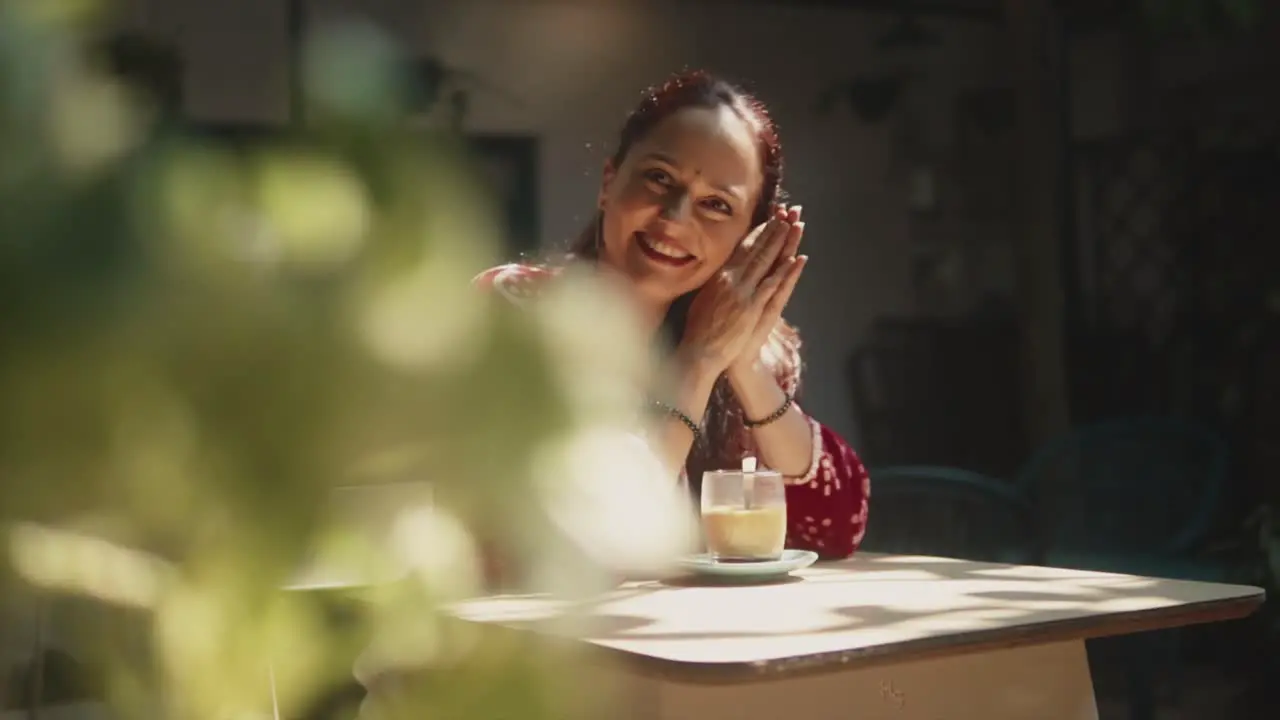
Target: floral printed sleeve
<point>827,507</point>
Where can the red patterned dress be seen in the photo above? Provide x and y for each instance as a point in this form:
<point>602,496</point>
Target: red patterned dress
<point>827,506</point>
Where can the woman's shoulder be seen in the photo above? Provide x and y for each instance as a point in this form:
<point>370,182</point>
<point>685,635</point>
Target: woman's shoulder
<point>517,282</point>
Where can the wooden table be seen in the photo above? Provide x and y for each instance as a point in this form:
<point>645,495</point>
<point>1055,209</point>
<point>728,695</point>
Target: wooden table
<point>878,636</point>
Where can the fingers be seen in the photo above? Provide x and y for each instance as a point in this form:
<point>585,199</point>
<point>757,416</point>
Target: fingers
<point>789,213</point>
<point>776,291</point>
<point>764,253</point>
<point>767,248</point>
<point>792,236</point>
<point>742,254</point>
<point>791,245</point>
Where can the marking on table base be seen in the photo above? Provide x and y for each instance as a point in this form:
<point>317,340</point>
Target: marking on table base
<point>889,693</point>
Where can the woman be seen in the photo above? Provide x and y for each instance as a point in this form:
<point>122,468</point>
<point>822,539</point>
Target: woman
<point>688,215</point>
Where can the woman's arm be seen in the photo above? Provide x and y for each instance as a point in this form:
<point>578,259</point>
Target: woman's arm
<point>785,444</point>
<point>695,379</point>
<point>827,484</point>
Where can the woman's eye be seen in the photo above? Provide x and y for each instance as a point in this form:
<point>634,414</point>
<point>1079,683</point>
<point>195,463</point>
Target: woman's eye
<point>718,205</point>
<point>657,176</point>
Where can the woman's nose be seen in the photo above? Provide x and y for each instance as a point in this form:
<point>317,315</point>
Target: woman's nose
<point>677,206</point>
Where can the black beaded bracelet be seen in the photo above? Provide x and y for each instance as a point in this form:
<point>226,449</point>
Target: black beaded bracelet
<point>772,417</point>
<point>688,421</point>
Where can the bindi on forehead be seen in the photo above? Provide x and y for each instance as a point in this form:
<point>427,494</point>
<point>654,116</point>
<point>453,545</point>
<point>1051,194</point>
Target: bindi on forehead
<point>714,145</point>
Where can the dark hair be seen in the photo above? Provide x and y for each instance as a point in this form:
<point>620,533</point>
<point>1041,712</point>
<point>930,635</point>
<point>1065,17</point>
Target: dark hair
<point>700,89</point>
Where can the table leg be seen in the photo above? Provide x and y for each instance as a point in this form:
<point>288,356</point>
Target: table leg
<point>1045,682</point>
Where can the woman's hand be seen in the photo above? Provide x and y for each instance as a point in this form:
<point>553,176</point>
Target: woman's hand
<point>727,314</point>
<point>790,266</point>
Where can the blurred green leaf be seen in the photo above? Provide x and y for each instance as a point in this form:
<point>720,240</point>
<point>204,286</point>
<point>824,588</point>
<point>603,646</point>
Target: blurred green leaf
<point>201,345</point>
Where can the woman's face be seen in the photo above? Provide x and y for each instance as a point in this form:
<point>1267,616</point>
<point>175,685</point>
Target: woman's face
<point>681,201</point>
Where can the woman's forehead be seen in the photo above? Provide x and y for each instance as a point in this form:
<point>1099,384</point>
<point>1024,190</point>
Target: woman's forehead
<point>715,143</point>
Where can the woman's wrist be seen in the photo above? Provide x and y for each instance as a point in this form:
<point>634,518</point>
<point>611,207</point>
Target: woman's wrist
<point>698,363</point>
<point>745,376</point>
<point>756,389</point>
<point>742,371</point>
<point>692,375</point>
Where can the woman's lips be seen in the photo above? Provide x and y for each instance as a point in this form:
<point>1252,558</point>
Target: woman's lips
<point>662,251</point>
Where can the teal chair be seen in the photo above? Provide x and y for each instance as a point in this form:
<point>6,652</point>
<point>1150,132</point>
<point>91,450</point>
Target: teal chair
<point>1138,496</point>
<point>949,512</point>
<point>1135,495</point>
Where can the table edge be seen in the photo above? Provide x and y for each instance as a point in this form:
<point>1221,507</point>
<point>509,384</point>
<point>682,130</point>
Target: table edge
<point>1067,629</point>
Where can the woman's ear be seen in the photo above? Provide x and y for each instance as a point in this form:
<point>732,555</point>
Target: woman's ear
<point>607,176</point>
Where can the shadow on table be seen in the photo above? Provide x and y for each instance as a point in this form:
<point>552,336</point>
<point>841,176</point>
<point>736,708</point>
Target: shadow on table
<point>1001,609</point>
<point>1008,610</point>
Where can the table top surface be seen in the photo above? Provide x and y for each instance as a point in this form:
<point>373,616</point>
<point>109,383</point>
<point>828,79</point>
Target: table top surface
<point>872,608</point>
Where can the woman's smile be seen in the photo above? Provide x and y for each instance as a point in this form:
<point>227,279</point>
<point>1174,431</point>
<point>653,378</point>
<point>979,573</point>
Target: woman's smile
<point>662,249</point>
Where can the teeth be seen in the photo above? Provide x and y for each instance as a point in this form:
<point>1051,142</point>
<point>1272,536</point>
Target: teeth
<point>664,248</point>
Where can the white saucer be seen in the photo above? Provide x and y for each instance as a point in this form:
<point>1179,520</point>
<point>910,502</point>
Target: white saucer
<point>705,565</point>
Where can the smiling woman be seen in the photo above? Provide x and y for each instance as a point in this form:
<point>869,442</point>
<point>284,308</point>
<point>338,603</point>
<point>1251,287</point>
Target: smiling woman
<point>689,218</point>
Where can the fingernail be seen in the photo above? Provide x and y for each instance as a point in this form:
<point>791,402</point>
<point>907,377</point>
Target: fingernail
<point>799,225</point>
<point>797,209</point>
<point>802,258</point>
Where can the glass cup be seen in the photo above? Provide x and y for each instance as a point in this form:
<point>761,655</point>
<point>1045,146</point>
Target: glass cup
<point>744,515</point>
